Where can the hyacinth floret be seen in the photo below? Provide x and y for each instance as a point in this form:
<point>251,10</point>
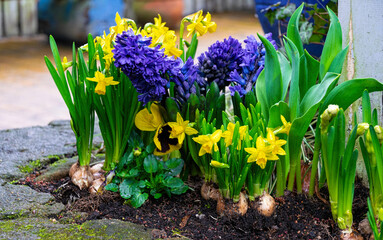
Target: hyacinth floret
<point>253,62</point>
<point>148,68</point>
<point>222,58</point>
<point>185,82</point>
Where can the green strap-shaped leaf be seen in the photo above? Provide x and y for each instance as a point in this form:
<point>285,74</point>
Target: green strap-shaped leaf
<point>261,94</point>
<point>312,66</point>
<point>337,64</point>
<point>366,107</point>
<point>294,97</point>
<point>276,111</point>
<point>192,48</point>
<point>366,158</point>
<point>349,91</point>
<point>293,29</point>
<point>317,92</point>
<point>378,153</point>
<point>286,73</point>
<point>273,76</point>
<point>332,45</point>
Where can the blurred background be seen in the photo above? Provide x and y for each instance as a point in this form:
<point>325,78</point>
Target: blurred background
<point>28,96</point>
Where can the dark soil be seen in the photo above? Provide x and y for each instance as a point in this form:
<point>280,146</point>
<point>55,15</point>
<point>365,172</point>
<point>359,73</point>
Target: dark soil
<point>189,215</point>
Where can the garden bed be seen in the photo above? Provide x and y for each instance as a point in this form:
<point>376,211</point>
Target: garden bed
<point>189,215</point>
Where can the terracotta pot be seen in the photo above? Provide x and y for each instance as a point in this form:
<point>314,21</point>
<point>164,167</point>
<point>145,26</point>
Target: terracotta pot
<point>171,11</point>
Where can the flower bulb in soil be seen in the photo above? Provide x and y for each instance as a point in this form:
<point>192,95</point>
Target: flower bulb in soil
<point>73,169</point>
<point>208,191</point>
<point>97,168</point>
<point>349,234</point>
<point>232,209</point>
<point>265,205</point>
<point>82,177</point>
<point>97,171</point>
<point>97,186</point>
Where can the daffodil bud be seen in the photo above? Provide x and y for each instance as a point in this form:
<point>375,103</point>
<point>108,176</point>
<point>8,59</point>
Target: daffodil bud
<point>380,214</point>
<point>218,164</point>
<point>379,133</point>
<point>362,127</point>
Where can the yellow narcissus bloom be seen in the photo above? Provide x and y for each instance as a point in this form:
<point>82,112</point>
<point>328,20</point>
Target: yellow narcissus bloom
<point>119,28</point>
<point>286,126</point>
<point>261,153</point>
<point>169,44</point>
<point>228,135</point>
<point>102,82</point>
<point>211,26</point>
<point>208,142</point>
<point>179,129</point>
<point>275,143</point>
<point>196,25</point>
<point>65,64</point>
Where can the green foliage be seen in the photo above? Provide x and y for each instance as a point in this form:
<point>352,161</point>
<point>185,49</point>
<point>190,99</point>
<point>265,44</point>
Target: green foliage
<point>312,87</point>
<point>140,174</point>
<point>31,166</point>
<point>77,95</point>
<point>372,151</point>
<point>115,110</point>
<point>378,235</point>
<point>340,165</point>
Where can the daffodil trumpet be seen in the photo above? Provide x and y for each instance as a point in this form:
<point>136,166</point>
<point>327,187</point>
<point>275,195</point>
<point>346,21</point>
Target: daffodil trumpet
<point>339,162</point>
<point>77,95</point>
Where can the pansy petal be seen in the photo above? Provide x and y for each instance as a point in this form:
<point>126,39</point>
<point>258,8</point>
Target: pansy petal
<point>144,121</point>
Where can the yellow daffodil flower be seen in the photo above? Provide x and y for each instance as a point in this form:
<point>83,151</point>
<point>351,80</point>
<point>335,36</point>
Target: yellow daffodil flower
<point>196,25</point>
<point>169,44</point>
<point>102,82</point>
<point>65,64</point>
<point>108,60</point>
<point>228,135</point>
<point>119,28</point>
<point>217,164</point>
<point>261,153</point>
<point>208,142</point>
<point>211,26</point>
<point>275,143</point>
<point>286,126</point>
<point>179,129</point>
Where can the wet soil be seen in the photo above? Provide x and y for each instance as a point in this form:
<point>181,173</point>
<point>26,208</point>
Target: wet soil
<point>189,215</point>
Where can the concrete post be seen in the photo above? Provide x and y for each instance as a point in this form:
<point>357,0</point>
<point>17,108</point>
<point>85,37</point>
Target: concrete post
<point>362,25</point>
